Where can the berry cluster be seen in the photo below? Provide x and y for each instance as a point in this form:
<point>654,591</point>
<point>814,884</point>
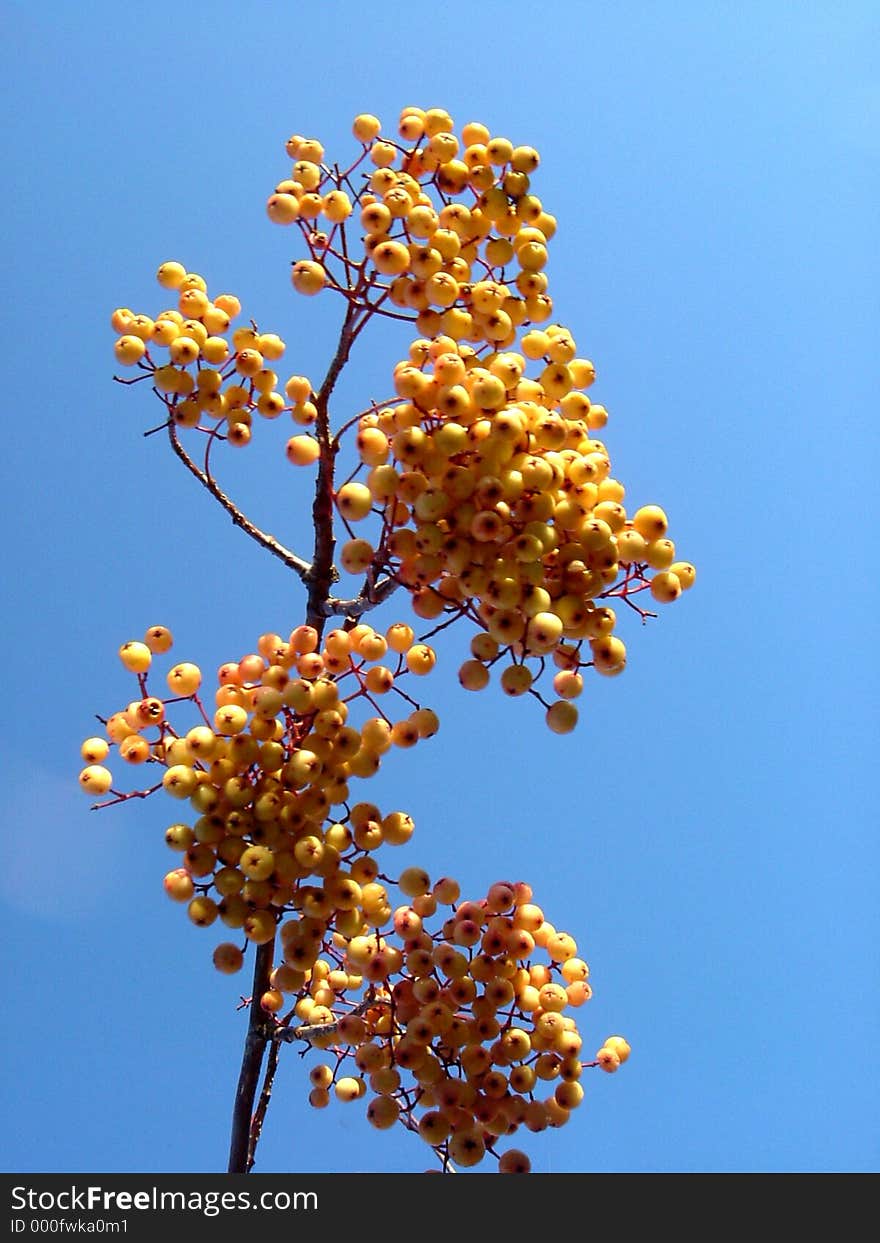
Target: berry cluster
<point>216,378</point>
<point>495,497</point>
<point>268,775</point>
<point>490,495</point>
<point>454,1030</point>
<point>497,504</point>
<point>480,485</point>
<point>435,213</point>
<point>460,1034</point>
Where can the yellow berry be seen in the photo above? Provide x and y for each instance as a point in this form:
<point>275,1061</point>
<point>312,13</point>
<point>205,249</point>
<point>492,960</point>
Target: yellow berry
<point>390,258</point>
<point>184,679</point>
<point>383,154</point>
<point>303,450</point>
<point>651,522</point>
<point>414,881</point>
<point>366,127</point>
<point>259,926</point>
<point>282,208</point>
<point>215,349</point>
<point>562,716</point>
<point>568,1095</point>
<point>121,318</point>
<point>180,781</point>
<point>354,501</point>
<point>202,911</point>
<point>619,1046</point>
<point>336,206</point>
<point>320,1076</point>
<point>660,554</point>
<point>229,303</point>
<point>271,346</point>
<point>685,573</point>
<point>348,1088</point>
<point>420,659</point>
<point>129,349</point>
<point>355,555</point>
<point>93,750</point>
<point>95,780</point>
<point>665,587</point>
<point>608,1059</point>
<point>178,885</point>
<point>135,656</point>
<point>426,722</point>
<point>308,277</point>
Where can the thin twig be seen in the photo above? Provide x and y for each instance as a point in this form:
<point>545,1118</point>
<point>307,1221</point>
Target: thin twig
<point>290,559</point>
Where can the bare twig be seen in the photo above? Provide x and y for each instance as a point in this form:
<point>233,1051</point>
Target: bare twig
<point>290,559</point>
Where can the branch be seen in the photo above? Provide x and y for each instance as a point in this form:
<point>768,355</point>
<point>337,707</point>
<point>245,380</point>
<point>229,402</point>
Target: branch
<point>323,572</point>
<point>308,1031</point>
<point>290,559</point>
<point>259,1117</point>
<point>362,603</point>
<point>258,1036</point>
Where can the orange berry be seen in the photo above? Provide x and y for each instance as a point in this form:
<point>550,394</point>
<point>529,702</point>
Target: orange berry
<point>514,1162</point>
<point>228,958</point>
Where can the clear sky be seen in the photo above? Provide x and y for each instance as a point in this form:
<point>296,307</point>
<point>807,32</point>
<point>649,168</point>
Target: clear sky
<point>709,834</point>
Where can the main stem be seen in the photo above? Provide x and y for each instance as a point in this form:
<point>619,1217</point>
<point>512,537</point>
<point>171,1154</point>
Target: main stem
<point>258,1034</point>
<point>323,573</point>
<point>246,1123</point>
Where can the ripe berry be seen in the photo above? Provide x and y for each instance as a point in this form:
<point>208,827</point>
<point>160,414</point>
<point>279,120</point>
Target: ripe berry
<point>184,679</point>
<point>383,1112</point>
<point>129,350</point>
<point>95,780</point>
<point>651,522</point>
<point>135,656</point>
<point>562,716</point>
<point>228,958</point>
<point>608,1059</point>
<point>619,1046</point>
<point>514,1162</point>
<point>179,885</point>
<point>93,750</point>
<point>308,278</point>
<point>665,587</point>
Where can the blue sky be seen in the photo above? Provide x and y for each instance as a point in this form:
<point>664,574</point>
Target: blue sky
<point>709,833</point>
